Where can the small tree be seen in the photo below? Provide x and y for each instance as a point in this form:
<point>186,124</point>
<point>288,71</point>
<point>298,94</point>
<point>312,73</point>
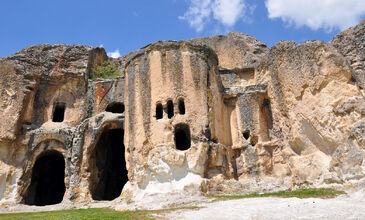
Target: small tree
<point>107,70</point>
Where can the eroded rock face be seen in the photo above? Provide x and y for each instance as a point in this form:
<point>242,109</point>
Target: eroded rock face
<point>45,95</point>
<point>235,50</point>
<point>312,116</point>
<point>351,43</point>
<point>223,114</point>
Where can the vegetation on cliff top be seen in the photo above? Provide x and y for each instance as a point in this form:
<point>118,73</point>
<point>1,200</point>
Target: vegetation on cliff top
<point>107,70</point>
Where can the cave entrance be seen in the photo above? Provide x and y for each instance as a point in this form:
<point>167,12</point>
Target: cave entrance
<point>111,173</point>
<point>182,137</point>
<point>115,107</point>
<point>47,185</point>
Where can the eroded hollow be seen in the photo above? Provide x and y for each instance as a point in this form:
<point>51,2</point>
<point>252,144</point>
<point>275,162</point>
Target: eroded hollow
<point>115,107</point>
<point>266,122</point>
<point>110,174</point>
<point>59,112</point>
<point>47,185</point>
<point>182,137</point>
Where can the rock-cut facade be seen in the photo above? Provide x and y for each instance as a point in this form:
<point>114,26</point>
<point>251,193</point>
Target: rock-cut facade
<point>222,114</point>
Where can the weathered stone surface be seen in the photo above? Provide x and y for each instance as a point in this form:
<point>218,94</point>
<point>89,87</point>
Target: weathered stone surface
<point>311,116</point>
<point>33,81</point>
<point>223,114</point>
<point>235,50</point>
<point>351,43</point>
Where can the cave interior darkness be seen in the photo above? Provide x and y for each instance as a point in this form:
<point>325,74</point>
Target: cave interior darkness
<point>47,185</point>
<point>182,137</point>
<point>111,173</point>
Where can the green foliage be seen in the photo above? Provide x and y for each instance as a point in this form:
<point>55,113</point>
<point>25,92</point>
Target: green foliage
<point>209,48</point>
<point>93,213</point>
<point>107,70</point>
<point>98,213</point>
<point>300,193</point>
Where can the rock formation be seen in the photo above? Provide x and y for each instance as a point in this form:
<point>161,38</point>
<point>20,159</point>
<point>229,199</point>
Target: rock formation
<point>223,114</point>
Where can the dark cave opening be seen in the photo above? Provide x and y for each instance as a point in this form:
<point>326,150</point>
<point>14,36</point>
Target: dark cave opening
<point>115,107</point>
<point>182,137</point>
<point>159,111</point>
<point>59,112</point>
<point>246,134</point>
<point>111,174</point>
<point>181,106</point>
<point>47,185</point>
<point>170,109</point>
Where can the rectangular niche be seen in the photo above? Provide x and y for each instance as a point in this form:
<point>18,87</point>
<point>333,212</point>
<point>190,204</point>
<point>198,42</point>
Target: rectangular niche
<point>59,112</point>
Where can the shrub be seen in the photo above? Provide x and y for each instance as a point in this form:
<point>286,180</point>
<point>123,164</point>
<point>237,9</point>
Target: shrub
<point>107,70</point>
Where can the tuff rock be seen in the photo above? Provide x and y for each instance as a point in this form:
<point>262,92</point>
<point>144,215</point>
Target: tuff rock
<point>223,114</point>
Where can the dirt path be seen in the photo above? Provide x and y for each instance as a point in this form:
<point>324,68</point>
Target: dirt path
<point>343,207</point>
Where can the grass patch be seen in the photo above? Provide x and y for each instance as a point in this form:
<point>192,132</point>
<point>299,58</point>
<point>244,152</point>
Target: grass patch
<point>299,193</point>
<point>93,213</point>
<point>97,213</point>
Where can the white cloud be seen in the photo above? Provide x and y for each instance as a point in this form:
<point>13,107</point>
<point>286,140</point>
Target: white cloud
<point>114,54</point>
<point>316,14</point>
<point>198,14</point>
<point>226,12</point>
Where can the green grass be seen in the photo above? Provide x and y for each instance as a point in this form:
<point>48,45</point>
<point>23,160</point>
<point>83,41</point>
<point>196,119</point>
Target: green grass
<point>106,213</point>
<point>94,213</point>
<point>300,193</point>
<point>98,213</point>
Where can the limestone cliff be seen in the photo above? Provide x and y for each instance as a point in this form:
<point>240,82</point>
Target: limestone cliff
<point>223,114</point>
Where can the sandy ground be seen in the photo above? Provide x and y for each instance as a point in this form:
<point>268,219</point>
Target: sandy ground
<point>351,206</point>
<point>343,207</point>
<point>67,205</point>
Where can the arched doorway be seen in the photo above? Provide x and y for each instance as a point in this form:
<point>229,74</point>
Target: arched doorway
<point>47,185</point>
<point>182,137</point>
<point>109,174</point>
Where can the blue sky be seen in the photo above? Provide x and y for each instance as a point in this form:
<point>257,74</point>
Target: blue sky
<point>124,26</point>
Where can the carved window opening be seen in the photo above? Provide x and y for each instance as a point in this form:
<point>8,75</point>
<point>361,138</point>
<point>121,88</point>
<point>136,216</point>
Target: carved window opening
<point>115,107</point>
<point>181,106</point>
<point>182,137</point>
<point>59,112</point>
<point>47,185</point>
<point>109,174</point>
<point>159,111</point>
<point>170,109</point>
<point>246,134</point>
